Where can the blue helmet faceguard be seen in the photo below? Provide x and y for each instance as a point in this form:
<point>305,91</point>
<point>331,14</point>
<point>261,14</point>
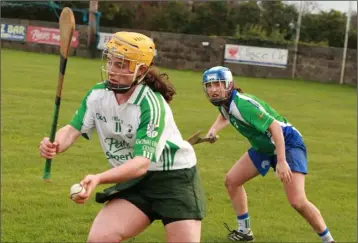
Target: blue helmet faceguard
<point>219,74</point>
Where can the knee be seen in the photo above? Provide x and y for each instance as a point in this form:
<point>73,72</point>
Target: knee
<point>232,182</point>
<point>298,203</point>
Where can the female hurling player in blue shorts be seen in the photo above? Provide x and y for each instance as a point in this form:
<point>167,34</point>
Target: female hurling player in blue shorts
<point>274,143</point>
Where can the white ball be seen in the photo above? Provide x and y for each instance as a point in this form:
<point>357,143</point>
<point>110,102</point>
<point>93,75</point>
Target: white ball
<point>75,190</point>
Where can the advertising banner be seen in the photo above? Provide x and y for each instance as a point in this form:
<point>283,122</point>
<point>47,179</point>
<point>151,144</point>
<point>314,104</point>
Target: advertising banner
<point>252,55</point>
<point>13,32</point>
<point>51,36</point>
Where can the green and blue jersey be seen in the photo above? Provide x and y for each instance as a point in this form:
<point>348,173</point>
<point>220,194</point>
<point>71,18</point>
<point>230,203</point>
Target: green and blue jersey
<point>252,118</point>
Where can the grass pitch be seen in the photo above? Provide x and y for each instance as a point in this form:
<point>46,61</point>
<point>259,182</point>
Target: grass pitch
<point>34,211</point>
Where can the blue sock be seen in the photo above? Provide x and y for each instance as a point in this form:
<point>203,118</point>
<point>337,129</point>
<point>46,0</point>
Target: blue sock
<point>326,236</point>
<point>244,222</point>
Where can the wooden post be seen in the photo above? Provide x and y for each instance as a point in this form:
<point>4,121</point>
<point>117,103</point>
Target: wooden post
<point>341,80</point>
<point>91,40</point>
<point>298,28</point>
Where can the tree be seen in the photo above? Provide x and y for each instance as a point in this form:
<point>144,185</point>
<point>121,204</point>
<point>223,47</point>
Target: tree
<point>352,39</point>
<point>170,17</point>
<point>244,15</point>
<point>271,15</point>
<point>209,18</point>
<point>324,26</point>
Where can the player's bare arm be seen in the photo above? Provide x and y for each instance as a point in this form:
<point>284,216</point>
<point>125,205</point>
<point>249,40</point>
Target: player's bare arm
<point>133,168</point>
<point>65,137</point>
<point>277,136</point>
<point>218,125</point>
<point>282,168</point>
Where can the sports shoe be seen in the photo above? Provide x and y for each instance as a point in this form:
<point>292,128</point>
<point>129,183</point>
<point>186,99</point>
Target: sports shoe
<point>235,235</point>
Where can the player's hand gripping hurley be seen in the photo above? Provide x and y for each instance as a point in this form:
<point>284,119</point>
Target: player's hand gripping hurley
<point>67,27</point>
<point>196,139</point>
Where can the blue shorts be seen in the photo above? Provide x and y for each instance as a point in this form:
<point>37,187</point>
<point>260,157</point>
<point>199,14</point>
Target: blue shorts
<point>296,158</point>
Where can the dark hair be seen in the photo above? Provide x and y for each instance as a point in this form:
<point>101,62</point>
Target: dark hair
<point>159,82</point>
<point>240,90</point>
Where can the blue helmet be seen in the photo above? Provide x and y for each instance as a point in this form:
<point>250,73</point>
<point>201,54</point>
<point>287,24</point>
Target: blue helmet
<point>219,74</point>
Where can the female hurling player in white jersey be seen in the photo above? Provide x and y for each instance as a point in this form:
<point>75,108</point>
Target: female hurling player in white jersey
<point>153,169</point>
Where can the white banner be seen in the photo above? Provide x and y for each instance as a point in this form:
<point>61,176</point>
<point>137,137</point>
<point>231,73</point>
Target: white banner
<point>252,55</point>
<point>103,38</point>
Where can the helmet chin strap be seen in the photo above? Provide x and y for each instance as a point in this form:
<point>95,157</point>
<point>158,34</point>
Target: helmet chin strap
<point>121,91</point>
<point>221,101</point>
<point>119,88</point>
<point>218,101</point>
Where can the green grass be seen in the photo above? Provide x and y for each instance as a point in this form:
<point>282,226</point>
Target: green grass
<point>33,211</point>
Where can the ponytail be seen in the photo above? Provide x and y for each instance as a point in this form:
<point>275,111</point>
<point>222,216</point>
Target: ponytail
<point>240,90</point>
<point>159,82</point>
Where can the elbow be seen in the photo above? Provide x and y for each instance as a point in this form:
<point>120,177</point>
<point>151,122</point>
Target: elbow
<point>276,132</point>
<point>275,126</point>
<point>143,168</point>
<point>141,171</point>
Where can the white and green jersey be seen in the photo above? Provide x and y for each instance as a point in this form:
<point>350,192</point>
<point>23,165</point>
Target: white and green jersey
<point>143,126</point>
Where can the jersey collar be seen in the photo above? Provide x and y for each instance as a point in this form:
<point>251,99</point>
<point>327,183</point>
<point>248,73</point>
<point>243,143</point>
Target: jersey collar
<point>233,94</point>
<point>138,93</point>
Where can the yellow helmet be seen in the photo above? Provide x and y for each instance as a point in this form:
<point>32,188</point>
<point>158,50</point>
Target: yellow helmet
<point>137,48</point>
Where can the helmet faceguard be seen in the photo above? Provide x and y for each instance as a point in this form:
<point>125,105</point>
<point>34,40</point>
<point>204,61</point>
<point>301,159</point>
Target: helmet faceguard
<point>223,76</point>
<point>132,51</point>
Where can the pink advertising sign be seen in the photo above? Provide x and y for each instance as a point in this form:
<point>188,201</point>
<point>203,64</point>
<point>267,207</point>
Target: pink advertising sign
<point>51,36</point>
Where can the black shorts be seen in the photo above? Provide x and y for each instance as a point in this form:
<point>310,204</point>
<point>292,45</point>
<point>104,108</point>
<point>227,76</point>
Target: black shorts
<point>166,195</point>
